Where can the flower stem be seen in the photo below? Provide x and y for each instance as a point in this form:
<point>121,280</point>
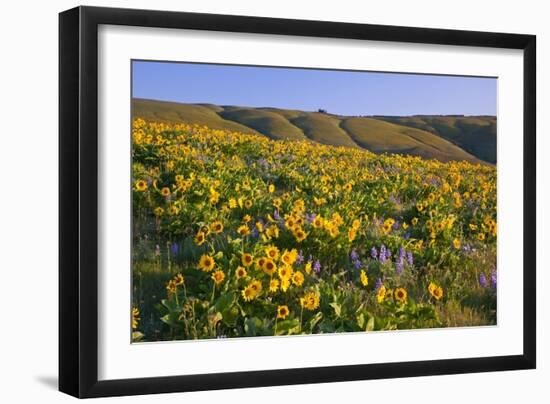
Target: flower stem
<point>301,313</point>
<point>213,291</point>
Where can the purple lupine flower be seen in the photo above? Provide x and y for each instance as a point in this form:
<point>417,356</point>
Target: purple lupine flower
<point>399,266</point>
<point>310,218</point>
<point>378,284</point>
<point>373,253</point>
<point>396,225</point>
<point>407,235</point>
<point>317,267</point>
<point>353,255</point>
<point>410,258</point>
<point>402,253</point>
<point>382,256</point>
<point>276,215</point>
<point>357,264</point>
<point>255,233</point>
<point>494,278</point>
<point>174,248</point>
<point>300,258</point>
<point>482,280</point>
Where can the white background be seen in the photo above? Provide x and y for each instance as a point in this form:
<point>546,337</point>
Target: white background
<point>121,360</point>
<point>28,287</point>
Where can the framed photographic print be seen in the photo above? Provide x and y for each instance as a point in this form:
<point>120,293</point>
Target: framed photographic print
<point>267,201</point>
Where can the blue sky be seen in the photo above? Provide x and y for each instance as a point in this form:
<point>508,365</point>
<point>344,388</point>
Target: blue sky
<point>339,92</point>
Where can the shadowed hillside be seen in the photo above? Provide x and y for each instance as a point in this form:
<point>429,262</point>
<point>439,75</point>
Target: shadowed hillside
<point>323,129</point>
<point>266,122</point>
<point>477,134</point>
<point>379,137</point>
<point>444,138</point>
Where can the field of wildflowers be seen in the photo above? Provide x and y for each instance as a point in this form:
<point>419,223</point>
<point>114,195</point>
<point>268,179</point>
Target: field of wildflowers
<point>239,235</point>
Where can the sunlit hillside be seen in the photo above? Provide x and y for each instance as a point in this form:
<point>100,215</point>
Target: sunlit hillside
<point>470,139</point>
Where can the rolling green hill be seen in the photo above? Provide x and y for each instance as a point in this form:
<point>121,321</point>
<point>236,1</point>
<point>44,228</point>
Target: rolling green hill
<point>477,135</point>
<point>380,136</point>
<point>434,137</point>
<point>269,123</point>
<point>171,112</point>
<point>324,129</point>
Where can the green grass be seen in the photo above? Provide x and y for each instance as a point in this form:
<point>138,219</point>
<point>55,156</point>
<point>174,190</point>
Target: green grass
<point>266,122</point>
<point>476,135</point>
<point>444,138</point>
<point>323,129</point>
<point>379,137</point>
<point>287,113</point>
<point>171,112</point>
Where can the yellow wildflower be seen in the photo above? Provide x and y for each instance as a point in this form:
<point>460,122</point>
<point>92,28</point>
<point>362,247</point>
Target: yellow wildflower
<point>364,278</point>
<point>282,312</point>
<point>310,301</point>
<point>218,276</point>
<point>206,263</point>
<point>400,295</point>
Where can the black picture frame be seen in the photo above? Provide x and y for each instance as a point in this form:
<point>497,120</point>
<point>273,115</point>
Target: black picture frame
<point>78,200</point>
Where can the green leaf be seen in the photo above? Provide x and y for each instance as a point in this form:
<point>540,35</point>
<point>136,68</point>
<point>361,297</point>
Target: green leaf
<point>225,301</point>
<point>167,319</point>
<point>137,336</point>
<point>361,320</point>
<point>337,309</point>
<point>171,305</point>
<point>230,316</point>
<point>314,320</point>
<point>288,327</point>
<point>252,326</point>
<point>370,324</point>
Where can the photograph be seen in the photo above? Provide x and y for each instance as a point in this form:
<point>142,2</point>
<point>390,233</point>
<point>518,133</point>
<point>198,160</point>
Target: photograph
<point>277,201</point>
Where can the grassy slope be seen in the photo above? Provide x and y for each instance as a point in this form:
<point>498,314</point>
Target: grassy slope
<point>171,112</point>
<point>269,123</point>
<point>323,129</point>
<point>380,136</point>
<point>476,135</point>
<point>442,138</point>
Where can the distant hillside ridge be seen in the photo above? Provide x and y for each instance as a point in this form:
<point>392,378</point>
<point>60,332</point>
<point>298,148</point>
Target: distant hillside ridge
<point>444,138</point>
<point>475,134</point>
